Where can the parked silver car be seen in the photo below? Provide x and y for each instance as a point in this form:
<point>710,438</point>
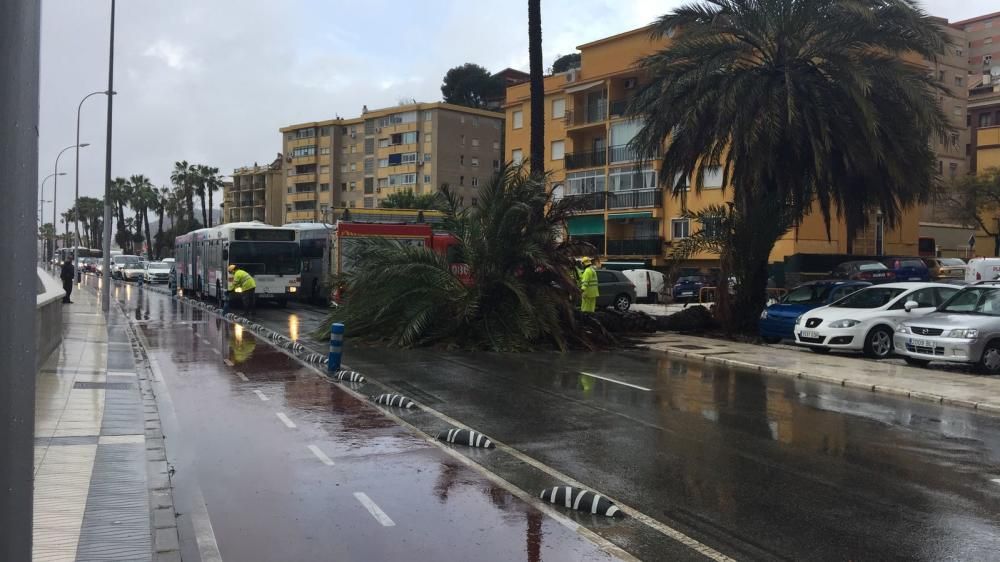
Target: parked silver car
<point>964,329</point>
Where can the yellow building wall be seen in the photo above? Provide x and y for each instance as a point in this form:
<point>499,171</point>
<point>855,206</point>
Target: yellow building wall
<point>988,149</point>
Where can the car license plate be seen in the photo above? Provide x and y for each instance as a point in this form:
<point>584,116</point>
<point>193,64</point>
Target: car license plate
<point>920,343</point>
<point>687,293</point>
<point>809,334</point>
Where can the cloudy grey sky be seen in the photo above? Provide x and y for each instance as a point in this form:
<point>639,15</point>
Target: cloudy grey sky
<point>211,81</point>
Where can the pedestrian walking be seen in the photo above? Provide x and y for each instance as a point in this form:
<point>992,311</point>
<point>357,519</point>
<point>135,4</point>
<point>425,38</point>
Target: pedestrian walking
<point>588,286</point>
<point>242,284</point>
<point>67,274</point>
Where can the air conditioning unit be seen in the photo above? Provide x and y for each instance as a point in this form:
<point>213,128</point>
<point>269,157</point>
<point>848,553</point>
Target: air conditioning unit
<point>572,75</point>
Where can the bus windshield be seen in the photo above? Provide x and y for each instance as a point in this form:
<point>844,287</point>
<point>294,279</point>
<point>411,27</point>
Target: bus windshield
<point>266,258</point>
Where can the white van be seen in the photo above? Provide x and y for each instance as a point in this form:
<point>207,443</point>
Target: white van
<point>649,284</point>
<point>982,269</point>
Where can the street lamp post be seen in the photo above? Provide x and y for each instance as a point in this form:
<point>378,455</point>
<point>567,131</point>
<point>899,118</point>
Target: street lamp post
<point>41,215</point>
<point>106,247</point>
<point>55,183</point>
<point>76,201</point>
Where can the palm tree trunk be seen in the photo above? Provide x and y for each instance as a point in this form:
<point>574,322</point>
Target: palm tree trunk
<point>159,234</point>
<point>149,239</point>
<point>210,208</point>
<point>204,215</point>
<point>537,87</point>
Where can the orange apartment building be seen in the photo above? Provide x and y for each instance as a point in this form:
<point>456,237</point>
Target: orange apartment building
<point>629,216</point>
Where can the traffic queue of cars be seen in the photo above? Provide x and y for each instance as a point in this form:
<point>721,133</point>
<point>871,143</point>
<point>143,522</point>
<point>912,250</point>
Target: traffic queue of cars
<point>890,308</point>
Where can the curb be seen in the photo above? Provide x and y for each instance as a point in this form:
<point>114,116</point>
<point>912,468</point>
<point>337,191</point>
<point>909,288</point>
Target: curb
<point>992,408</point>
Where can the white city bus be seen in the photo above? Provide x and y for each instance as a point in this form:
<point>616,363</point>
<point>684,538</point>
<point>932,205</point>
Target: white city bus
<point>270,254</point>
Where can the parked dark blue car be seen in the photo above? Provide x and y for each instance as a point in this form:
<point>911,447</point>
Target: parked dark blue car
<point>908,269</point>
<point>777,322</point>
<point>688,288</point>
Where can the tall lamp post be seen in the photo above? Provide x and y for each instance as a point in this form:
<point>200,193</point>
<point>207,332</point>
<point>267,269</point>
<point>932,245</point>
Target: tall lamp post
<point>55,183</point>
<point>41,215</point>
<point>106,271</point>
<point>76,204</point>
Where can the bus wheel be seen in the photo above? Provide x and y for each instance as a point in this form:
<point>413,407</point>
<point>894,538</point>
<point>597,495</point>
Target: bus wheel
<point>282,302</point>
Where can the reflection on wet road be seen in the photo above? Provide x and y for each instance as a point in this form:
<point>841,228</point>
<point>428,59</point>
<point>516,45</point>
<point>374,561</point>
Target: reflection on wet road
<point>756,467</point>
<point>291,467</point>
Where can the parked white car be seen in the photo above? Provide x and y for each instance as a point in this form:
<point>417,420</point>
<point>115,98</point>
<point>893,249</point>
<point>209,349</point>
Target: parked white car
<point>649,284</point>
<point>866,320</point>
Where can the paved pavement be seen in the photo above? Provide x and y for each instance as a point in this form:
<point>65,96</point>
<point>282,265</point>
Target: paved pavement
<point>95,470</point>
<point>749,464</point>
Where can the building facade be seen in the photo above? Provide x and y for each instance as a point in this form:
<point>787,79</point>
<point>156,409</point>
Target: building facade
<point>982,41</point>
<point>357,163</point>
<point>629,215</point>
<point>256,194</point>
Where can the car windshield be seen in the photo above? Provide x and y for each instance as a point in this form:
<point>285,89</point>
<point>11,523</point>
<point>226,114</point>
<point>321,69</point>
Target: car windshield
<point>951,261</point>
<point>977,300</point>
<point>808,294</point>
<point>266,258</point>
<point>871,267</point>
<point>872,297</point>
<point>911,263</point>
<point>157,265</point>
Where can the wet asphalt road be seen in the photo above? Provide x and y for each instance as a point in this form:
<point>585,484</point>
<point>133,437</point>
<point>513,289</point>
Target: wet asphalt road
<point>753,466</point>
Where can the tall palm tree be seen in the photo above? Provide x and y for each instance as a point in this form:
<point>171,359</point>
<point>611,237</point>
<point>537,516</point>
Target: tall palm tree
<point>161,199</point>
<point>804,103</point>
<point>199,182</point>
<point>212,182</point>
<point>121,194</point>
<point>183,177</point>
<point>142,199</point>
<point>537,87</point>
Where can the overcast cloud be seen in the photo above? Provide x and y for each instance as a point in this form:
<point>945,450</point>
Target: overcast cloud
<point>211,81</point>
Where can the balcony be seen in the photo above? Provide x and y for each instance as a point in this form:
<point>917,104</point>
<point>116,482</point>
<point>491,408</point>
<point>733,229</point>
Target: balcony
<point>622,153</point>
<point>588,114</point>
<point>300,216</point>
<point>305,177</point>
<point>594,201</point>
<point>595,240</point>
<point>617,108</point>
<point>635,199</point>
<point>302,196</point>
<point>591,159</point>
<point>635,247</point>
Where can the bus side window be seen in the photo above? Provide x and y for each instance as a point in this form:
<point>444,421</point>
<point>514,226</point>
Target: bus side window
<point>225,254</point>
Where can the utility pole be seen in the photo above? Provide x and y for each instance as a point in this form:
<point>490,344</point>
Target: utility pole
<point>106,270</point>
<point>20,31</point>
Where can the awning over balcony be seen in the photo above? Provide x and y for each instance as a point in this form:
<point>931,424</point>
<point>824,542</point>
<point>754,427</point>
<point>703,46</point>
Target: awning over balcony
<point>638,215</point>
<point>584,87</point>
<point>585,226</point>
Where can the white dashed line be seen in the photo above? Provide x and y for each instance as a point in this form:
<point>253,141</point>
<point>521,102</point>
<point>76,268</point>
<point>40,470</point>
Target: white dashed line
<point>284,419</point>
<point>376,512</point>
<point>321,455</point>
<point>216,351</point>
<point>242,377</point>
<point>616,382</point>
<point>995,480</point>
<point>261,395</point>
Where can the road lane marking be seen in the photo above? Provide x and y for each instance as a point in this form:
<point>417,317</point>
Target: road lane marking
<point>261,395</point>
<point>242,376</point>
<point>376,512</point>
<point>321,455</point>
<point>216,351</point>
<point>227,362</point>
<point>616,382</point>
<point>995,480</point>
<point>284,419</point>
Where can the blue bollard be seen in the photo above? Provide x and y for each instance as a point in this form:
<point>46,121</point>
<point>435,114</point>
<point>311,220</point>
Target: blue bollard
<point>336,347</point>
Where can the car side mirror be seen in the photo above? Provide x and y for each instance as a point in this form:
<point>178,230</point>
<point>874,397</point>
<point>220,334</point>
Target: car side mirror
<point>910,305</point>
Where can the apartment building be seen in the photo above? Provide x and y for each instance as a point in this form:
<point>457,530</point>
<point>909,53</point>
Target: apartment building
<point>982,41</point>
<point>629,215</point>
<point>256,194</point>
<point>358,162</point>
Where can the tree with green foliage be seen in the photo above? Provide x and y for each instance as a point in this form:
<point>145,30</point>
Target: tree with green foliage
<point>566,62</point>
<point>406,199</point>
<point>511,291</point>
<point>974,200</point>
<point>470,85</point>
<point>805,104</point>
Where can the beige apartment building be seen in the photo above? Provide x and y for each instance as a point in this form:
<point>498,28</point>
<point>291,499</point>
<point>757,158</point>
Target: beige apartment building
<point>358,162</point>
<point>982,41</point>
<point>256,194</point>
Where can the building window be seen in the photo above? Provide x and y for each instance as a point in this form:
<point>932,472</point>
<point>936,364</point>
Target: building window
<point>461,119</point>
<point>383,143</point>
<point>475,182</point>
<point>369,165</point>
<point>383,182</point>
<point>954,140</point>
<point>680,228</point>
<point>402,179</point>
<point>984,119</point>
<point>383,163</point>
<point>354,166</point>
<point>343,168</point>
<point>516,156</point>
<point>304,151</point>
<point>988,41</point>
<point>959,110</point>
<point>305,133</point>
<point>475,143</point>
<point>517,118</point>
<point>625,179</point>
<point>408,158</point>
<point>496,145</point>
<point>427,157</point>
<point>558,150</point>
<point>712,178</point>
<point>940,167</point>
<point>461,180</point>
<point>496,164</point>
<point>343,187</point>
<point>325,150</point>
<point>952,170</point>
<point>369,146</point>
<point>558,108</point>
<point>941,76</point>
<point>461,159</point>
<point>959,81</point>
<point>585,182</point>
<point>369,202</point>
<point>475,162</point>
<point>461,140</point>
<point>352,204</point>
<point>354,185</point>
<point>324,187</point>
<point>354,148</point>
<point>427,178</point>
<point>428,115</point>
<point>324,169</point>
<point>324,131</point>
<point>959,51</point>
<point>427,138</point>
<point>475,121</point>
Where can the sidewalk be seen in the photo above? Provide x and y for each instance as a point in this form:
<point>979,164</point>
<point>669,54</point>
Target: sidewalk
<point>94,467</point>
<point>953,388</point>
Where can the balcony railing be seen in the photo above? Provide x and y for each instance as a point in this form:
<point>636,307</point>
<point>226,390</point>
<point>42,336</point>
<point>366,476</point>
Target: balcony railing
<point>591,159</point>
<point>622,153</point>
<point>635,199</point>
<point>635,247</point>
<point>617,107</point>
<point>595,240</point>
<point>594,201</point>
<point>590,113</point>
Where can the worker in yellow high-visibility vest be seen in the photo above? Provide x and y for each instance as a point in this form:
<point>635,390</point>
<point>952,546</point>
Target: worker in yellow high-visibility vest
<point>588,286</point>
<point>242,284</point>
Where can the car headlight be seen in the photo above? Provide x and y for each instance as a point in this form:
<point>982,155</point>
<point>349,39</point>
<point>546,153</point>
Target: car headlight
<point>845,323</point>
<point>763,314</point>
<point>798,320</point>
<point>902,329</point>
<point>963,333</point>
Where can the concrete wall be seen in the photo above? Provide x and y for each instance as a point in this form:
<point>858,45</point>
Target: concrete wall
<point>48,316</point>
